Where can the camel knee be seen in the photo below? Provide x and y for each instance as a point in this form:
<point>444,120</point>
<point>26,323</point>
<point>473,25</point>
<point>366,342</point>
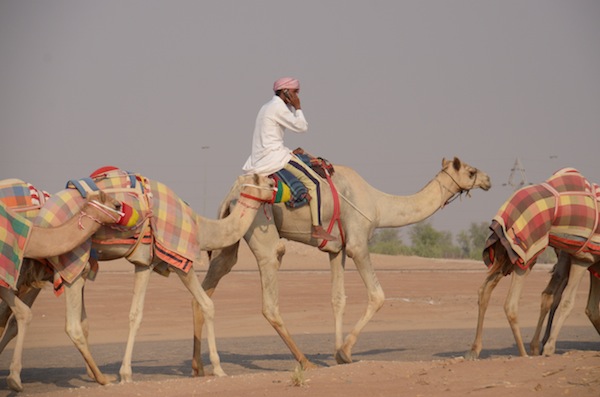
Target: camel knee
<point>273,317</point>
<point>23,316</point>
<point>75,333</point>
<point>377,300</point>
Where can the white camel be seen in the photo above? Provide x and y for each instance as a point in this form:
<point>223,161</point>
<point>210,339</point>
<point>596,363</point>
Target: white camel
<point>44,242</point>
<point>209,234</point>
<point>362,209</point>
<point>534,217</point>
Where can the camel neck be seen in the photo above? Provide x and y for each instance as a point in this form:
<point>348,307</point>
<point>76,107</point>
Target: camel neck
<point>406,210</point>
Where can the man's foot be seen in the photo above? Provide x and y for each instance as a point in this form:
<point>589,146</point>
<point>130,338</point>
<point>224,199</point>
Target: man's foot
<point>319,233</point>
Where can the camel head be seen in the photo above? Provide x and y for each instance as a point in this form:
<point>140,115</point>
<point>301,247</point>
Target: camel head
<point>257,187</point>
<point>105,209</point>
<point>464,176</point>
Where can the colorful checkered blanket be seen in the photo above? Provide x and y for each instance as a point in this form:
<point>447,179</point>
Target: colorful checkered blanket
<point>22,198</point>
<point>14,232</point>
<point>173,225</point>
<point>562,212</point>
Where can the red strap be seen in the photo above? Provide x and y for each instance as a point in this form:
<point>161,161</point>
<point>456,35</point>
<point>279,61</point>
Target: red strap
<point>336,212</point>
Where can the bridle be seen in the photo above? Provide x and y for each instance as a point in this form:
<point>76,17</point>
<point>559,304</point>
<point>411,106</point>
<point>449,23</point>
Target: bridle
<point>260,201</point>
<point>110,212</point>
<point>455,195</point>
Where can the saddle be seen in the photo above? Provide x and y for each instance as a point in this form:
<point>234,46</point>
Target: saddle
<point>290,190</point>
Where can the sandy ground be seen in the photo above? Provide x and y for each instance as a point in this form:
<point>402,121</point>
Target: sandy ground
<point>412,347</point>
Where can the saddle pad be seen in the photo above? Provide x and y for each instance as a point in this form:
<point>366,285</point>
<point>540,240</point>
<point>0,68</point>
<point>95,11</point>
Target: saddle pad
<point>298,191</point>
<point>533,217</point>
<point>172,222</point>
<point>14,232</point>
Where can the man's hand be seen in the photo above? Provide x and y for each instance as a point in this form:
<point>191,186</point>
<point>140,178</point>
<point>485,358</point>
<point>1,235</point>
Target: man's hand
<point>294,99</point>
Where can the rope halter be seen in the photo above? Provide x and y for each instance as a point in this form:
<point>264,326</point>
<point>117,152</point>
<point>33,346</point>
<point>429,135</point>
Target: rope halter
<point>116,215</point>
<point>461,189</point>
<point>260,201</point>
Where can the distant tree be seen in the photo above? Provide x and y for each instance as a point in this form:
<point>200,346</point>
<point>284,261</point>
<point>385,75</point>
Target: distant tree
<point>472,241</point>
<point>388,242</point>
<point>431,243</point>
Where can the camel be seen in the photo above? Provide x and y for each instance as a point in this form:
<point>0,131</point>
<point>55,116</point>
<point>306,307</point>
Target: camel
<point>44,242</point>
<point>209,234</point>
<point>554,226</point>
<point>552,294</point>
<point>362,209</point>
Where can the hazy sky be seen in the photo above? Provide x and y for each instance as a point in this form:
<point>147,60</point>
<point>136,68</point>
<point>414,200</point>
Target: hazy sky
<point>170,89</point>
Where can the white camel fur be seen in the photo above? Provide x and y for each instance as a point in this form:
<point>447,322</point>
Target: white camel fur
<point>45,242</point>
<point>210,234</point>
<point>363,209</point>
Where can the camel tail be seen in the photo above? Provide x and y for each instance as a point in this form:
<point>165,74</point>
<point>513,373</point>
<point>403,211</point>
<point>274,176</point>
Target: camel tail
<point>501,262</point>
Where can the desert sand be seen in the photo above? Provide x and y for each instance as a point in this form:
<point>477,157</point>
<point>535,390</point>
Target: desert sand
<point>413,347</point>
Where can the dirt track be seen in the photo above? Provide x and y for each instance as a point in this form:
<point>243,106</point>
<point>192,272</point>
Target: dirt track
<point>425,326</point>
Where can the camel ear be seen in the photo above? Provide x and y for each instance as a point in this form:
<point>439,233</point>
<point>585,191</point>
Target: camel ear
<point>456,163</point>
<point>102,196</point>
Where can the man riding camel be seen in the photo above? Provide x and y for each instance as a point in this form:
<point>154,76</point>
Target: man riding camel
<point>269,154</point>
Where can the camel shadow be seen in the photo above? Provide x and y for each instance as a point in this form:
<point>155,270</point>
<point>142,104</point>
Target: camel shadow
<point>562,347</point>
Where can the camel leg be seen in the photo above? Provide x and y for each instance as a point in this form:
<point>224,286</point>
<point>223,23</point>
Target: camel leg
<point>549,302</point>
<point>269,251</point>
<point>220,265</point>
<point>554,305</point>
<point>74,304</point>
<point>338,295</point>
<point>85,327</point>
<point>511,306</point>
<point>136,312</point>
<point>592,309</point>
<point>270,308</point>
<point>566,305</point>
<point>23,316</point>
<point>190,280</point>
<point>484,295</point>
<point>9,321</point>
<point>376,298</point>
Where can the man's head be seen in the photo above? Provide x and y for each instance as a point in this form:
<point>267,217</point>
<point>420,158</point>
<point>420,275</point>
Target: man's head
<point>288,88</point>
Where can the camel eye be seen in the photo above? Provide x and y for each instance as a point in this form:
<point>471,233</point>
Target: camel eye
<point>472,173</point>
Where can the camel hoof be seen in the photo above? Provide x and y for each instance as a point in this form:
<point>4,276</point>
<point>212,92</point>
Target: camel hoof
<point>307,366</point>
<point>342,358</point>
<point>14,383</point>
<point>106,379</point>
<point>126,378</point>
<point>471,355</point>
<point>197,372</point>
<point>218,372</point>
